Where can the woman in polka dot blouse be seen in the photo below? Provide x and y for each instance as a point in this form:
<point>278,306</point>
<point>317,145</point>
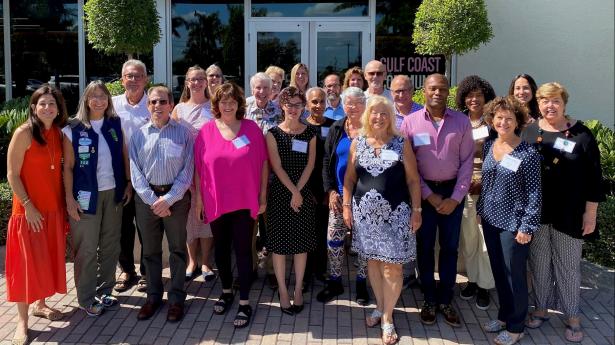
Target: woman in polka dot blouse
<point>509,210</point>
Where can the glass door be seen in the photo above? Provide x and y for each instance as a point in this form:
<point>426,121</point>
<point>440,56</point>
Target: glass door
<point>282,44</point>
<point>337,46</point>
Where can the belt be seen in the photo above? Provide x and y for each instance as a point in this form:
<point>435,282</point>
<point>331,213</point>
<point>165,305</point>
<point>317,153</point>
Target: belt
<point>161,190</point>
<point>441,183</point>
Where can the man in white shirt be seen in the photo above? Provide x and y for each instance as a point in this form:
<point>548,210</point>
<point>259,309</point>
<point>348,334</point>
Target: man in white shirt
<point>375,72</point>
<point>132,110</point>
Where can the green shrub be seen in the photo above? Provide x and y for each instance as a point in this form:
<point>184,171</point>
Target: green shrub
<point>14,112</point>
<point>606,143</point>
<point>419,97</point>
<point>602,251</point>
<point>116,88</point>
<point>6,203</point>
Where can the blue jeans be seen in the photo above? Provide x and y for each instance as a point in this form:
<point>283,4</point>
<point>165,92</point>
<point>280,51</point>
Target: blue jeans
<point>450,227</point>
<point>508,264</point>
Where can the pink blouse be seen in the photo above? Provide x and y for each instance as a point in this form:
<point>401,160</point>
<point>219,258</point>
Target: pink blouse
<point>230,176</point>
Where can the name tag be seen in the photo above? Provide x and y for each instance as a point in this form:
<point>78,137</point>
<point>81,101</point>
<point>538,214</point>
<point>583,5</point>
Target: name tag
<point>174,150</point>
<point>564,145</point>
<point>241,141</point>
<point>389,155</point>
<point>83,149</point>
<point>324,131</point>
<point>299,146</point>
<point>480,132</point>
<point>421,139</point>
<point>511,163</point>
<point>83,198</point>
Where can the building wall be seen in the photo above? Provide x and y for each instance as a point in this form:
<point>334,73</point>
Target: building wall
<point>568,41</point>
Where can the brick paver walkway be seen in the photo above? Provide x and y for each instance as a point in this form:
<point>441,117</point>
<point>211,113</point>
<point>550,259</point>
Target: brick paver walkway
<point>339,322</point>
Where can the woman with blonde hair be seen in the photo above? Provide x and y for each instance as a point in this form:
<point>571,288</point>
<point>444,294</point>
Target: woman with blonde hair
<point>277,80</point>
<point>193,111</point>
<point>300,77</point>
<point>36,234</point>
<point>97,185</point>
<point>571,191</point>
<point>381,206</point>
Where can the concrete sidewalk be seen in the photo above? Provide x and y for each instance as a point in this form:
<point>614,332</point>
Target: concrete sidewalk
<point>339,322</point>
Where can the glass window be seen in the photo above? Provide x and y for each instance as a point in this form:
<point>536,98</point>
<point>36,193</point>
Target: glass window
<point>394,48</point>
<point>281,8</point>
<point>109,67</point>
<point>204,33</point>
<point>337,51</point>
<point>282,49</point>
<point>44,47</point>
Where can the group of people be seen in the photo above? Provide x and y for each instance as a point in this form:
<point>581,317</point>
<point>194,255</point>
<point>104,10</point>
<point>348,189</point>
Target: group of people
<point>291,172</point>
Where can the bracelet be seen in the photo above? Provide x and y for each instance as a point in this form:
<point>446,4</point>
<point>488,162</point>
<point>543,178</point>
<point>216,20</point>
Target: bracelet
<point>346,205</point>
<point>417,209</point>
<point>25,202</point>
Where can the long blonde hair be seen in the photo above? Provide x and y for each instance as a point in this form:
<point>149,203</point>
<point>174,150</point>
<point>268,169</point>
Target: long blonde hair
<point>373,101</point>
<point>293,76</point>
<point>186,91</point>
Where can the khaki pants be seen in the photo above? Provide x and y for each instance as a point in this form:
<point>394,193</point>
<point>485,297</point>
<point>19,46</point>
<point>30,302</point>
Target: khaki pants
<point>96,245</point>
<point>472,247</point>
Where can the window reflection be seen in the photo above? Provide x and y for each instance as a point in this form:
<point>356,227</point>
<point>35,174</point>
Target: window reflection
<point>44,47</point>
<point>207,32</point>
<point>282,49</point>
<point>337,51</point>
<point>281,8</point>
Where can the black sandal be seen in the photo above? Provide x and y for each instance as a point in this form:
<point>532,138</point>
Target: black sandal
<point>224,302</point>
<point>244,313</point>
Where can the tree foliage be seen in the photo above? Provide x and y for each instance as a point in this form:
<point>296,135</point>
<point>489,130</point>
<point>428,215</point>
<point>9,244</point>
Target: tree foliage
<point>122,26</point>
<point>451,27</point>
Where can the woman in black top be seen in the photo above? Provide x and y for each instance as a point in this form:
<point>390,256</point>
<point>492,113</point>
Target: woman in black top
<point>572,189</point>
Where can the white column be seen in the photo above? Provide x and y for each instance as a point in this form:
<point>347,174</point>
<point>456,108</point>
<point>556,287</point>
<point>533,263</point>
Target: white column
<point>162,50</point>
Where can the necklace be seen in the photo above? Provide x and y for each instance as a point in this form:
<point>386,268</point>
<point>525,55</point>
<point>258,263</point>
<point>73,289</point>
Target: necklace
<point>51,153</point>
<point>541,132</point>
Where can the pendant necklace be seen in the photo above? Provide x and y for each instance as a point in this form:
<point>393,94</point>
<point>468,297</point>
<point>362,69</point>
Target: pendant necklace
<point>52,153</point>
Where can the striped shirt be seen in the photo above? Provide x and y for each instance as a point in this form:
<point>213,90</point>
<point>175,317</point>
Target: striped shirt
<point>161,156</point>
<point>399,117</point>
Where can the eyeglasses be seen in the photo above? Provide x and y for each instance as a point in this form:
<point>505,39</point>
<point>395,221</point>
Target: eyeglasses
<point>195,80</point>
<point>294,105</point>
<point>400,91</point>
<point>214,76</point>
<point>159,101</point>
<point>135,77</point>
<point>354,104</point>
<point>375,73</point>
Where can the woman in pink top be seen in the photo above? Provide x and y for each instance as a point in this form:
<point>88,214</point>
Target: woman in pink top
<point>231,165</point>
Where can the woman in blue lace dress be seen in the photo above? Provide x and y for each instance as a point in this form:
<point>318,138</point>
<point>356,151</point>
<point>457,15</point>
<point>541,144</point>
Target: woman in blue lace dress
<point>381,205</point>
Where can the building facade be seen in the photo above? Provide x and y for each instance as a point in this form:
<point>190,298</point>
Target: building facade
<point>44,41</point>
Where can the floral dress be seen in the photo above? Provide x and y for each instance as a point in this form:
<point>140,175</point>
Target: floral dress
<point>381,204</point>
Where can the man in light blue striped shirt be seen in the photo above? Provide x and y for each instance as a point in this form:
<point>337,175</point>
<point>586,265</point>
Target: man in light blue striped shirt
<point>161,169</point>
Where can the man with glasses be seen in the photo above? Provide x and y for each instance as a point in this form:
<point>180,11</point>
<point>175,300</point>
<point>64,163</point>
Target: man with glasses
<point>375,72</point>
<point>131,107</point>
<point>402,90</point>
<point>334,109</point>
<point>161,169</point>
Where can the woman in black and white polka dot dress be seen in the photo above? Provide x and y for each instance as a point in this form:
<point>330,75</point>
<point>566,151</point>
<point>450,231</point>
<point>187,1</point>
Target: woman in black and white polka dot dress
<point>291,206</point>
<point>509,209</point>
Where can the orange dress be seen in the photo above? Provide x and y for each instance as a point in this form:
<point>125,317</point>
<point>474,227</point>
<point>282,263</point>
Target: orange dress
<point>35,266</point>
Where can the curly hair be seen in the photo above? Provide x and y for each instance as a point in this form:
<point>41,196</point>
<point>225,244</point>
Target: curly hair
<point>229,90</point>
<point>509,103</point>
<point>470,84</point>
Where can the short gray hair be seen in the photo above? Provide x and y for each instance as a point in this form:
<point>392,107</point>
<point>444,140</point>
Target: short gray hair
<point>405,79</point>
<point>135,63</point>
<point>317,89</point>
<point>353,91</point>
<point>260,76</point>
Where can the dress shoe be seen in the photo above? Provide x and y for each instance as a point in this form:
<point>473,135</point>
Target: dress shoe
<point>148,310</point>
<point>450,315</point>
<point>428,314</point>
<point>175,313</point>
<point>333,289</point>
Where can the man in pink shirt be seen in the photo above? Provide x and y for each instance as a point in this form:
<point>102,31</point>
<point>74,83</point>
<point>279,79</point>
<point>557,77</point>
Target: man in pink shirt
<point>442,142</point>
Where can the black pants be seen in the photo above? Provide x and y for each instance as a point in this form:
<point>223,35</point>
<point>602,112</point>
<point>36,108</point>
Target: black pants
<point>317,259</point>
<point>127,240</point>
<point>234,231</point>
<point>508,263</point>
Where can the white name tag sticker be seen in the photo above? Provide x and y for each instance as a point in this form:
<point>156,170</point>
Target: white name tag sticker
<point>241,141</point>
<point>511,163</point>
<point>299,146</point>
<point>421,139</point>
<point>174,150</point>
<point>83,149</point>
<point>564,145</point>
<point>324,131</point>
<point>480,132</point>
<point>83,198</point>
<point>389,155</point>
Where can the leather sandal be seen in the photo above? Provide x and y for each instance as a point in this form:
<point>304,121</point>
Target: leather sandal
<point>573,334</point>
<point>48,313</point>
<point>535,321</point>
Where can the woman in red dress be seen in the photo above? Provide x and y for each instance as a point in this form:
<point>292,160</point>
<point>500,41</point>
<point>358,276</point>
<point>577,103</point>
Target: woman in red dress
<point>35,246</point>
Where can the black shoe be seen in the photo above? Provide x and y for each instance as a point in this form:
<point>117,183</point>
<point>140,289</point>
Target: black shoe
<point>482,299</point>
<point>469,291</point>
<point>428,314</point>
<point>410,281</point>
<point>362,293</point>
<point>450,315</point>
<point>334,288</point>
<point>191,275</point>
